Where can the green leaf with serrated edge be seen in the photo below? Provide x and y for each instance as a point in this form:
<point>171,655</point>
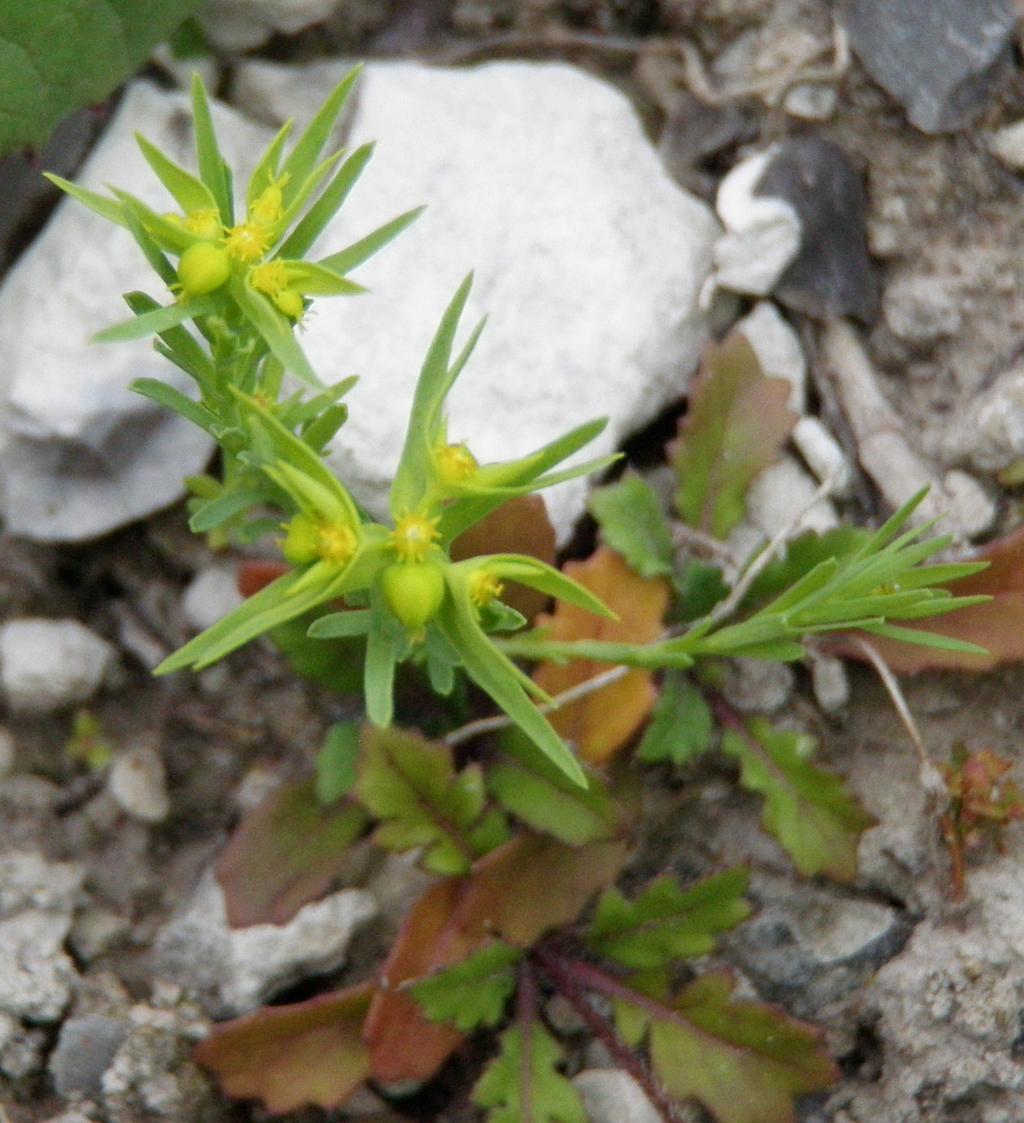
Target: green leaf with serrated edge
<point>337,761</point>
<point>808,810</point>
<point>170,398</point>
<point>275,329</point>
<point>744,1061</point>
<point>313,223</point>
<point>523,1085</point>
<point>681,726</point>
<point>474,992</point>
<point>160,319</point>
<point>189,192</point>
<point>528,785</point>
<point>415,467</point>
<point>212,167</point>
<point>306,152</point>
<point>665,922</point>
<point>110,209</point>
<point>215,512</point>
<point>411,785</point>
<point>633,524</point>
<point>290,1056</point>
<point>735,427</point>
<point>351,256</point>
<point>56,57</point>
<point>285,854</point>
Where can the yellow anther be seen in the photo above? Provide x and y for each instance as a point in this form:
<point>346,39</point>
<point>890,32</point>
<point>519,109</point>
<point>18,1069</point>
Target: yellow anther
<point>337,543</point>
<point>484,587</point>
<point>248,242</point>
<point>204,222</point>
<point>413,537</point>
<point>454,463</point>
<point>271,277</point>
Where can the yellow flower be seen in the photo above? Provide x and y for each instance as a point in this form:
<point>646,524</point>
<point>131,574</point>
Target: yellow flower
<point>484,587</point>
<point>247,242</point>
<point>413,537</point>
<point>268,208</point>
<point>204,222</point>
<point>455,463</point>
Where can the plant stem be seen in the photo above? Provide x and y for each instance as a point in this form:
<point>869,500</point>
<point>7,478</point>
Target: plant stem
<point>571,978</point>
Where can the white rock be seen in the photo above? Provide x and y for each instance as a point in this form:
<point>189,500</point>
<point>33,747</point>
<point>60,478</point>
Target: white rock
<point>778,350</point>
<point>47,665</point>
<point>758,686</point>
<point>240,25</point>
<point>613,1096</point>
<point>762,232</point>
<point>811,102</point>
<point>989,434</point>
<point>1007,145</point>
<point>30,881</point>
<point>830,682</point>
<point>780,493</point>
<point>823,454</point>
<point>532,173</point>
<point>920,309</point>
<point>84,455</point>
<point>36,976</point>
<point>211,594</point>
<point>234,970</point>
<point>138,782</point>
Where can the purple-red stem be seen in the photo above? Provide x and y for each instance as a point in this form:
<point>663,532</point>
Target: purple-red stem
<point>571,978</point>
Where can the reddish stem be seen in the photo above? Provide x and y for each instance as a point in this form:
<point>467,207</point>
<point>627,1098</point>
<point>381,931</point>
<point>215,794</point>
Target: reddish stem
<point>571,978</point>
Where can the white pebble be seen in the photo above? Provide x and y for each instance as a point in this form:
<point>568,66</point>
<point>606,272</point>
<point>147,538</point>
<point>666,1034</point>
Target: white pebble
<point>48,665</point>
<point>138,783</point>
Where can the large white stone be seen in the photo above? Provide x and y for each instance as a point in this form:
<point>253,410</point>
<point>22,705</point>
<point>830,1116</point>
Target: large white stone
<point>80,454</point>
<point>47,665</point>
<point>588,258</point>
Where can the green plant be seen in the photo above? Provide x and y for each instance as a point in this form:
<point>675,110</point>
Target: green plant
<point>522,839</point>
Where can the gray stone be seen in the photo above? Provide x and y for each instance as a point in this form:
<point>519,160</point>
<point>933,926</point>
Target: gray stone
<point>22,1056</point>
<point>940,59</point>
<point>920,310</point>
<point>989,433</point>
<point>48,665</point>
<point>211,594</point>
<point>233,970</point>
<point>613,1096</point>
<point>82,455</point>
<point>831,274</point>
<point>36,976</point>
<point>241,25</point>
<point>96,930</point>
<point>532,173</point>
<point>30,881</point>
<point>85,1047</point>
<point>758,686</point>
<point>807,948</point>
<point>137,781</point>
<point>811,102</point>
<point>1007,145</point>
<point>7,752</point>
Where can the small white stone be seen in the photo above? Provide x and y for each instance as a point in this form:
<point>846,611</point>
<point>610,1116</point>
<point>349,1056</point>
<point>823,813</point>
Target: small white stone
<point>259,782</point>
<point>779,493</point>
<point>830,682</point>
<point>36,977</point>
<point>757,685</point>
<point>920,309</point>
<point>823,454</point>
<point>778,350</point>
<point>96,931</point>
<point>48,665</point>
<point>138,782</point>
<point>613,1096</point>
<point>1007,145</point>
<point>971,509</point>
<point>762,232</point>
<point>210,595</point>
<point>30,881</point>
<point>811,101</point>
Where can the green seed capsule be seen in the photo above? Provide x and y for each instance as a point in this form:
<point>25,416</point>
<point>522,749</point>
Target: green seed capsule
<point>290,303</point>
<point>203,268</point>
<point>301,543</point>
<point>413,591</point>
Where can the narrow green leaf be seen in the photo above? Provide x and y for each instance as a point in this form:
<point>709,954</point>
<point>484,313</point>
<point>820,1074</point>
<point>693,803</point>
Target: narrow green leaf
<point>302,158</point>
<point>317,280</point>
<point>212,166</point>
<point>351,256</point>
<point>275,329</point>
<point>106,208</point>
<point>167,396</point>
<point>215,512</point>
<point>190,193</point>
<point>159,320</point>
<point>341,625</point>
<point>265,171</point>
<point>182,348</point>
<point>337,762</point>
<point>316,219</point>
<point>383,643</point>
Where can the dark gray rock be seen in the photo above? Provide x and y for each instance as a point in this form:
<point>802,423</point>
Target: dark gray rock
<point>831,274</point>
<point>85,1049</point>
<point>940,59</point>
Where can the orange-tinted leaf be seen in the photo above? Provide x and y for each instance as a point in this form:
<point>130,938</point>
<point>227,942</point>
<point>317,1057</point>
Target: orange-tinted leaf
<point>735,427</point>
<point>255,575</point>
<point>603,722</point>
<point>517,892</point>
<point>285,854</point>
<point>290,1056</point>
<point>997,626</point>
<point>520,526</point>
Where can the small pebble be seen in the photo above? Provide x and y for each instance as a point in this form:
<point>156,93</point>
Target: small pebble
<point>1007,145</point>
<point>211,595</point>
<point>138,782</point>
<point>48,665</point>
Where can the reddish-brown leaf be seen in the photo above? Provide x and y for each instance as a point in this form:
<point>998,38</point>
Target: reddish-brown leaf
<point>997,626</point>
<point>517,892</point>
<point>289,1056</point>
<point>603,722</point>
<point>255,575</point>
<point>520,526</point>
<point>285,854</point>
